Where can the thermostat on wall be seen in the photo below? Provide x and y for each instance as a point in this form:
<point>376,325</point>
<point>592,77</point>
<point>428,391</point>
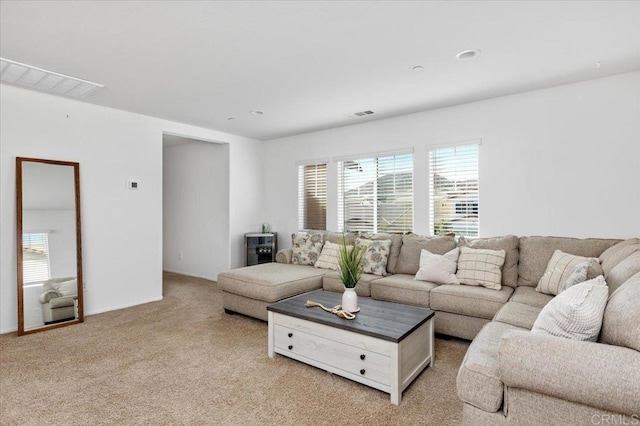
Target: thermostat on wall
<point>133,184</point>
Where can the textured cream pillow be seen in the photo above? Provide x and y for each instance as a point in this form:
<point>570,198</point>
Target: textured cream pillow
<point>576,313</point>
<point>329,257</point>
<point>481,267</point>
<point>560,266</point>
<point>437,268</point>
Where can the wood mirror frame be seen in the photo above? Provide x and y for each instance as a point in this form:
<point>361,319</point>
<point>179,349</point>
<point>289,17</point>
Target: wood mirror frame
<point>78,305</point>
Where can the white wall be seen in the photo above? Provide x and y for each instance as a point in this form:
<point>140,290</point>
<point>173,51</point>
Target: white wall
<point>196,209</point>
<point>121,228</point>
<point>561,161</point>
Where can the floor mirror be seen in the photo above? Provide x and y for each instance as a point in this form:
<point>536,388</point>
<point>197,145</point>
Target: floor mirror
<point>50,292</point>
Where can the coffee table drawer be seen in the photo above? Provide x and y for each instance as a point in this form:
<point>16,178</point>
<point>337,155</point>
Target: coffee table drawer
<point>352,360</point>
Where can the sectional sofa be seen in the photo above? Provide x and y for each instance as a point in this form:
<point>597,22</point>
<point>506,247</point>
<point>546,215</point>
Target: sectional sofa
<point>509,374</point>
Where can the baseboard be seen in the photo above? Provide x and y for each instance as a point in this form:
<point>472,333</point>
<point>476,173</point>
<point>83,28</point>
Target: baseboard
<point>124,306</point>
<point>186,274</point>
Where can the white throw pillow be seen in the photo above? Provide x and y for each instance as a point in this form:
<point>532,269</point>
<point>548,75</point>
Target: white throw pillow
<point>481,267</point>
<point>560,266</point>
<point>576,313</point>
<point>437,268</point>
<point>329,257</point>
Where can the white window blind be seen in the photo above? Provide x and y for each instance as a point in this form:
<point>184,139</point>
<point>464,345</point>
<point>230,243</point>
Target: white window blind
<point>453,180</point>
<point>312,196</point>
<point>35,258</point>
<point>376,194</point>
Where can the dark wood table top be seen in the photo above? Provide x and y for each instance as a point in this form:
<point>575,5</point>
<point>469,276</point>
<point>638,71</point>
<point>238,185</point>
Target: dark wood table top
<point>383,320</point>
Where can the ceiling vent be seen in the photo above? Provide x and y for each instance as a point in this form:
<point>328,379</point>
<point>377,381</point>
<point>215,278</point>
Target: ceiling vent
<point>363,113</point>
<point>36,78</point>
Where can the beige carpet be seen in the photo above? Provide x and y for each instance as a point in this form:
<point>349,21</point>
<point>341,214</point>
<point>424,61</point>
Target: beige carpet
<point>184,361</point>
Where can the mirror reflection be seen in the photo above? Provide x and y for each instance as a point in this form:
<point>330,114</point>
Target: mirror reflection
<point>50,279</point>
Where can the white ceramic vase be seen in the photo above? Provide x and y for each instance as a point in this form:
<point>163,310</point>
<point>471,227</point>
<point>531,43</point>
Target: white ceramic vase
<point>350,300</point>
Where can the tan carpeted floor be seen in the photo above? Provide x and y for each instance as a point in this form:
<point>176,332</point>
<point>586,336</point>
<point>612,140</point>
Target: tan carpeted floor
<point>183,361</point>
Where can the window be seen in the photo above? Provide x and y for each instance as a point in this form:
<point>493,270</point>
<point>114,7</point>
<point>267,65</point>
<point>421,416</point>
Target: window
<point>376,194</point>
<point>453,181</point>
<point>35,258</point>
<point>312,196</point>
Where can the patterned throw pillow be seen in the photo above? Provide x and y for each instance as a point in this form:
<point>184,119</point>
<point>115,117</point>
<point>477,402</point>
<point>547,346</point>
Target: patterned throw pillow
<point>438,269</point>
<point>481,267</point>
<point>577,276</point>
<point>560,266</point>
<point>575,313</point>
<point>375,258</point>
<point>329,257</point>
<point>306,248</point>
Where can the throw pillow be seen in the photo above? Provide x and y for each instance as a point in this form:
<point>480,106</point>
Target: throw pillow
<point>376,255</point>
<point>481,267</point>
<point>560,266</point>
<point>306,248</point>
<point>329,257</point>
<point>577,276</point>
<point>438,269</point>
<point>412,245</point>
<point>575,313</point>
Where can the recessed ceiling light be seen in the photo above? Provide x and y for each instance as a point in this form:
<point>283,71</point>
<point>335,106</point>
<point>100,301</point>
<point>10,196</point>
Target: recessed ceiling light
<point>468,54</point>
<point>256,112</point>
<point>418,68</point>
<point>48,81</point>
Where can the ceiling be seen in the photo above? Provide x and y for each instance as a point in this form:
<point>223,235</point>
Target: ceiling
<point>312,65</point>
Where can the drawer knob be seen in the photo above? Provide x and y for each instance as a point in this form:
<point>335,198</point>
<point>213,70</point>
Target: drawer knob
<point>363,371</point>
<point>290,334</point>
<point>362,357</point>
<point>290,347</point>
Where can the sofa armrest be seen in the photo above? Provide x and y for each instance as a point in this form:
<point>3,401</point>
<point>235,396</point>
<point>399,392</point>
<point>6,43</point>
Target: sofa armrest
<point>594,374</point>
<point>284,256</point>
<point>48,295</point>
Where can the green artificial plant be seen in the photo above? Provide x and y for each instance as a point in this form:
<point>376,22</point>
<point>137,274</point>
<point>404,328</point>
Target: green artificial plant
<point>350,263</point>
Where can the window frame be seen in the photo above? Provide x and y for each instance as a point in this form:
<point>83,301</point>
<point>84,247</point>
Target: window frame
<point>375,190</point>
<point>471,198</point>
<point>303,219</point>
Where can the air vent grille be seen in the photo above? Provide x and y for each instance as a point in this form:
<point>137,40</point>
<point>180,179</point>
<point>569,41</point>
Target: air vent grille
<point>36,78</point>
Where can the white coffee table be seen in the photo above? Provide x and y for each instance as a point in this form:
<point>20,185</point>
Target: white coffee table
<point>386,347</point>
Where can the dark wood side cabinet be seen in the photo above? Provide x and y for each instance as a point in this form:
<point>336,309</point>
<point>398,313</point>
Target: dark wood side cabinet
<point>260,247</point>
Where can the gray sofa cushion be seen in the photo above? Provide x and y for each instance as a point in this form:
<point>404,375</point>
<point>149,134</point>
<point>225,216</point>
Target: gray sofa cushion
<point>509,244</point>
<point>271,282</point>
<point>331,282</point>
<point>401,288</point>
<point>621,321</point>
<point>518,314</point>
<point>474,301</point>
<point>617,253</point>
<point>535,253</point>
<point>529,296</point>
<point>479,382</point>
<point>412,245</point>
<point>623,271</point>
